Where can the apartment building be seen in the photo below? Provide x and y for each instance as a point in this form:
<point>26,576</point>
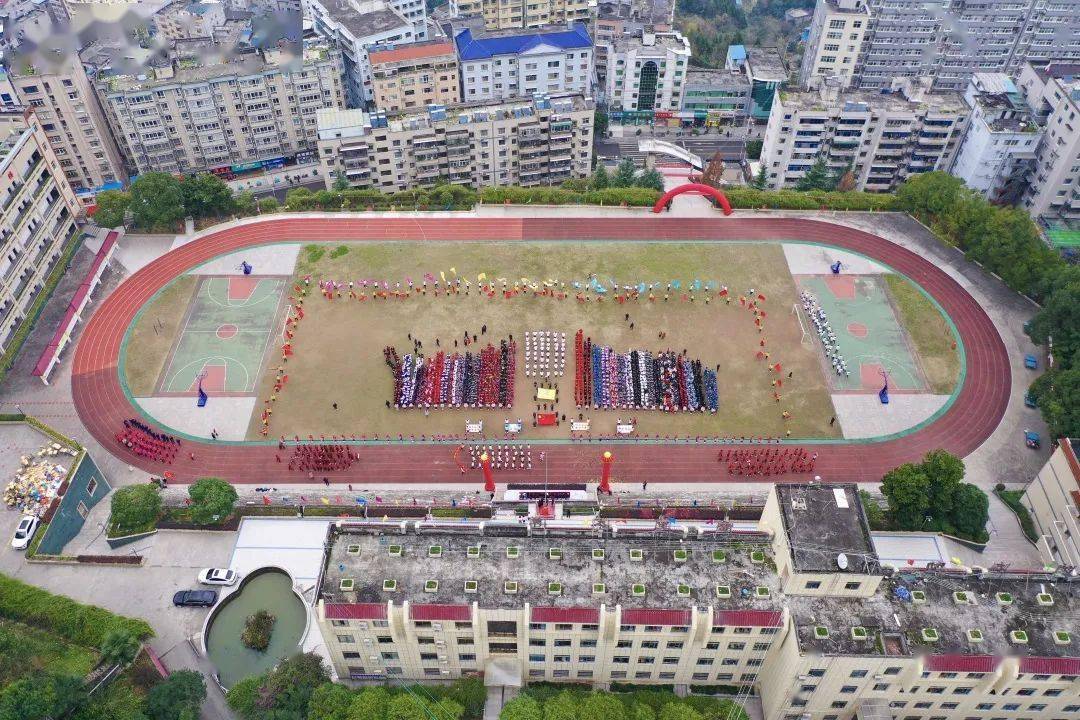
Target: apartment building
<point>1053,499</point>
<point>37,216</point>
<point>541,141</point>
<point>884,138</point>
<point>507,64</point>
<point>998,149</point>
<point>509,14</point>
<point>837,31</point>
<point>193,116</point>
<point>799,609</point>
<point>1052,92</point>
<point>645,71</point>
<point>185,19</point>
<point>353,26</point>
<point>718,94</point>
<point>414,76</point>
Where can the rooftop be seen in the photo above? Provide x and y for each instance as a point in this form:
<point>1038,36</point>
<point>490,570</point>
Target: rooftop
<point>473,45</point>
<point>870,101</point>
<point>412,51</point>
<point>372,18</point>
<point>822,523</point>
<point>725,78</point>
<point>662,41</point>
<point>766,63</point>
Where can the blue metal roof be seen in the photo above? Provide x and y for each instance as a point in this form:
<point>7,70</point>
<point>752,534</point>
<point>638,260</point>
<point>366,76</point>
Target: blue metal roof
<point>470,48</point>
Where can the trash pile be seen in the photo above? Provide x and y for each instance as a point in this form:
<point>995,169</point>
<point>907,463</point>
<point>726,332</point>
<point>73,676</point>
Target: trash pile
<point>37,480</point>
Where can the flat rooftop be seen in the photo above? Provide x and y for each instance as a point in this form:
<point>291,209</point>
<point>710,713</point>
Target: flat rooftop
<point>870,101</point>
<point>661,41</point>
<point>717,78</point>
<point>766,63</point>
<point>361,23</point>
<point>824,521</point>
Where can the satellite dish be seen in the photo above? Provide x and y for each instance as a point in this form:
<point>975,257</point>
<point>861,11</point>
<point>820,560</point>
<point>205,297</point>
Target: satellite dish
<point>841,561</point>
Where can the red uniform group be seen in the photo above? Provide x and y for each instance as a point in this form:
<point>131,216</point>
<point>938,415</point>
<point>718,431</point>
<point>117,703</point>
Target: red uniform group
<point>144,442</point>
<point>322,458</point>
<point>767,461</point>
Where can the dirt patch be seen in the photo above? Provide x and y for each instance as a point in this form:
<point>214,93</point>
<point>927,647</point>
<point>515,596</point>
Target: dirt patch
<point>153,335</point>
<point>934,342</point>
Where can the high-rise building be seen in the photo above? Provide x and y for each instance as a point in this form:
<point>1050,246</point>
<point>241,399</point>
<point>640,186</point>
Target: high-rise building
<point>414,76</point>
<point>508,14</point>
<point>836,38</point>
<point>37,216</point>
<point>646,71</point>
<point>507,64</point>
<point>1053,499</point>
<point>1052,92</point>
<point>540,141</point>
<point>186,19</point>
<point>209,115</point>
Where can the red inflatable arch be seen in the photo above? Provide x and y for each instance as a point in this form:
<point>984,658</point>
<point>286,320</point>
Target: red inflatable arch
<point>696,188</point>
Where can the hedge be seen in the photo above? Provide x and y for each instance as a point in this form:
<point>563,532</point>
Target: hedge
<point>442,197</point>
<point>1011,498</point>
<point>80,624</point>
<point>744,197</point>
<point>632,196</point>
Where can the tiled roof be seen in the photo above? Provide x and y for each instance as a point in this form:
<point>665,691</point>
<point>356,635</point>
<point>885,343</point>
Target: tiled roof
<point>748,618</point>
<point>470,48</point>
<point>355,611</point>
<point>962,663</point>
<point>585,616</point>
<point>410,52</point>
<point>655,617</point>
<point>1050,666</point>
<point>457,613</point>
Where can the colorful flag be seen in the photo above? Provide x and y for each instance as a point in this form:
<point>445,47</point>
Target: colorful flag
<point>453,270</point>
<point>442,275</point>
<point>481,277</point>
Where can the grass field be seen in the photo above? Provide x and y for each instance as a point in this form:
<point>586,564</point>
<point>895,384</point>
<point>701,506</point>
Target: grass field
<point>25,650</point>
<point>339,344</point>
<point>929,332</point>
<point>154,334</point>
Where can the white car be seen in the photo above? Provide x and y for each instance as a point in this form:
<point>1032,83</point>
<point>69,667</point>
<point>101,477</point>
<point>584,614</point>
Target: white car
<point>24,533</point>
<point>218,576</point>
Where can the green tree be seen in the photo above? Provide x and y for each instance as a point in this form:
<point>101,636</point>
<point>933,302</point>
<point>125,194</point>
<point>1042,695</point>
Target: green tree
<point>112,207</point>
<point>369,704</point>
<point>470,693</point>
<point>41,697</point>
<point>599,179</point>
<point>678,711</point>
<point>971,511</point>
<point>1059,319</point>
<point>268,204</point>
<point>561,707</point>
<point>206,195</point>
<point>601,706</point>
<point>135,506</point>
<point>340,181</point>
<point>624,174</point>
<point>817,177</point>
<point>243,697</point>
<point>600,124</point>
<point>330,701</point>
<point>245,203</point>
<point>212,500</point>
<point>522,707</point>
<point>945,472</point>
<point>651,179</point>
<point>753,149</point>
<point>640,711</point>
<point>875,516</point>
<point>761,180</point>
<point>1058,394</point>
<point>908,491</point>
<point>288,688</point>
<point>157,201</point>
<point>929,195</point>
<point>177,697</point>
<point>119,647</point>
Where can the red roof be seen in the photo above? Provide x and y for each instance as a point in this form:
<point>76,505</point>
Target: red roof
<point>1050,666</point>
<point>962,663</point>
<point>411,52</point>
<point>355,611</point>
<point>655,617</point>
<point>584,616</point>
<point>748,618</point>
<point>73,307</point>
<point>457,613</point>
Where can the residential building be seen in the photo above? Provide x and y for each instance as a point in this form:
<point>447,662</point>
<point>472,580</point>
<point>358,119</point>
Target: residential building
<point>507,64</point>
<point>1053,499</point>
<point>191,116</point>
<point>414,76</point>
<point>541,141</point>
<point>810,620</point>
<point>187,19</point>
<point>38,210</point>
<point>646,71</point>
<point>510,14</point>
<point>837,31</point>
<point>998,148</point>
<point>353,26</point>
<point>883,137</point>
<point>767,72</point>
<point>1053,94</point>
<point>716,95</point>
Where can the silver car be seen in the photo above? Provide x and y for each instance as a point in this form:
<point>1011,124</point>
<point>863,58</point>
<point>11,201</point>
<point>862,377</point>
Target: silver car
<point>218,576</point>
<point>24,533</point>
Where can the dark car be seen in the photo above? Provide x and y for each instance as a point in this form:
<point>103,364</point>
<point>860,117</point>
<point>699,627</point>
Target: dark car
<point>195,598</point>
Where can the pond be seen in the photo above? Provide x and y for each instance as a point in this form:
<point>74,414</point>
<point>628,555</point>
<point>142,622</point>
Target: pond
<point>265,589</point>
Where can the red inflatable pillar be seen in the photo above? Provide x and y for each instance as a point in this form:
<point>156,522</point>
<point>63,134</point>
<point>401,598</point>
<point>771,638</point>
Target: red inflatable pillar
<point>605,478</point>
<point>489,479</point>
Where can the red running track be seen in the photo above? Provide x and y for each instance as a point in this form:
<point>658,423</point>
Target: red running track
<point>103,406</point>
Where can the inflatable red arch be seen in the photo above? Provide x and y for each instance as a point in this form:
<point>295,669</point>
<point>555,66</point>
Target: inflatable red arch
<point>716,195</point>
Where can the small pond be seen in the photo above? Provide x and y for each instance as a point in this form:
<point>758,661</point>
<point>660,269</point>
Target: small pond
<point>266,589</point>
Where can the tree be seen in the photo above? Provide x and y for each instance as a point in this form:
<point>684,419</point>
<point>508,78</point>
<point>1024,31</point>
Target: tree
<point>370,704</point>
<point>599,179</point>
<point>243,697</point>
<point>678,711</point>
<point>206,195</point>
<point>845,180</point>
<point>601,706</point>
<point>522,707</point>
<point>268,204</point>
<point>41,697</point>
<point>1059,319</point>
<point>119,647</point>
<point>177,697</point>
<point>640,711</point>
<point>971,510</point>
<point>287,689</point>
<point>470,693</point>
<point>753,149</point>
<point>245,203</point>
<point>330,701</point>
<point>908,491</point>
<point>1058,394</point>
<point>944,471</point>
<point>761,180</point>
<point>875,516</point>
<point>713,174</point>
<point>112,207</point>
<point>135,506</point>
<point>212,500</point>
<point>157,201</point>
<point>817,177</point>
<point>561,707</point>
<point>928,195</point>
<point>624,174</point>
<point>340,181</point>
<point>600,124</point>
<point>651,179</point>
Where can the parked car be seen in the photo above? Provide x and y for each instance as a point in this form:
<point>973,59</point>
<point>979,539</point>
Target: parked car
<point>218,576</point>
<point>195,598</point>
<point>1031,362</point>
<point>1029,400</point>
<point>24,533</point>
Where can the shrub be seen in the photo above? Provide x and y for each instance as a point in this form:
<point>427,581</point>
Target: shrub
<point>135,508</point>
<point>257,630</point>
<point>741,197</point>
<point>212,500</point>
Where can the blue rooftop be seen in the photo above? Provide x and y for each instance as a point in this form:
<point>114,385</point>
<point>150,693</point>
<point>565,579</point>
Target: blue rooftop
<point>472,48</point>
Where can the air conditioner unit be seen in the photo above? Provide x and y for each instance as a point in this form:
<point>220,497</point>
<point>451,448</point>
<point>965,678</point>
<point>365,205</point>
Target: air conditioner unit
<point>440,643</point>
<point>373,657</point>
<point>436,626</point>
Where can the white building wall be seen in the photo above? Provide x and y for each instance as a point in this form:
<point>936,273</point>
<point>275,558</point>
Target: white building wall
<point>541,70</point>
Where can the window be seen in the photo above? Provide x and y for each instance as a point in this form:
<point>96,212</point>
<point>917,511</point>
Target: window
<point>858,673</point>
<point>816,672</point>
<point>466,657</point>
<point>350,655</point>
<point>881,687</point>
<point>385,639</point>
<point>813,584</point>
<point>705,661</point>
<point>848,689</point>
<point>839,704</point>
<point>91,486</point>
<point>852,585</point>
<point>650,644</point>
<point>346,639</point>
<point>536,658</point>
<point>736,646</point>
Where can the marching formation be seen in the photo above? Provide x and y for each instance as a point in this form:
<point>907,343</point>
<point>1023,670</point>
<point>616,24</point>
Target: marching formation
<point>144,442</point>
<point>767,461</point>
<point>545,353</point>
<point>484,379</point>
<point>503,457</point>
<point>322,458</point>
<point>828,338</point>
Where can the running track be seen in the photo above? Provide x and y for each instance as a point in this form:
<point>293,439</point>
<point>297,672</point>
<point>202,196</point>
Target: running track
<point>103,406</point>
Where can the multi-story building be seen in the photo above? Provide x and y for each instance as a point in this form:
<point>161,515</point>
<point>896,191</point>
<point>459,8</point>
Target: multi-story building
<point>187,19</point>
<point>716,95</point>
<point>541,141</point>
<point>1053,94</point>
<point>414,76</point>
<point>1053,499</point>
<point>835,41</point>
<point>506,64</point>
<point>191,117</point>
<point>645,71</point>
<point>799,608</point>
<point>998,149</point>
<point>353,26</point>
<point>882,137</point>
<point>508,14</point>
<point>37,216</point>
<point>767,72</point>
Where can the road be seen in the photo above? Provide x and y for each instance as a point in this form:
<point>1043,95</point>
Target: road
<point>616,148</point>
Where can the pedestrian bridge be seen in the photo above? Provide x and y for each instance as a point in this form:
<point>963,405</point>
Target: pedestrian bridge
<point>651,146</point>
